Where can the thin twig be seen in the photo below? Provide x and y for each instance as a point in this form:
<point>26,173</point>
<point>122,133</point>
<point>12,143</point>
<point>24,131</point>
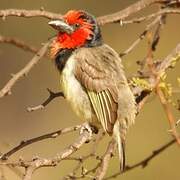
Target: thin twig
<point>25,143</point>
<point>103,165</point>
<point>152,44</point>
<point>143,163</point>
<point>169,114</point>
<point>52,95</point>
<point>134,8</point>
<point>173,57</point>
<point>141,36</point>
<point>29,13</point>
<point>167,62</point>
<point>149,17</point>
<point>24,71</point>
<point>81,160</point>
<point>19,43</point>
<point>111,18</point>
<point>35,164</point>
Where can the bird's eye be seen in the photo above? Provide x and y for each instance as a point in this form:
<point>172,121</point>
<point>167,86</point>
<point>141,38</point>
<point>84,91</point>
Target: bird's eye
<point>76,25</point>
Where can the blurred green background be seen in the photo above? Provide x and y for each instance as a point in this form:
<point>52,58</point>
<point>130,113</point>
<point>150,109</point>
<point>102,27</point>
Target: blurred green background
<point>16,124</point>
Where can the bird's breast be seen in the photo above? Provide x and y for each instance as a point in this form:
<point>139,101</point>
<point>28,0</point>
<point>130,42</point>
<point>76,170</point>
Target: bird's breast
<point>74,92</point>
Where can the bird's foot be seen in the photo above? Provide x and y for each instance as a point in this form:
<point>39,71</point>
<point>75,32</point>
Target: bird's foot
<point>86,127</point>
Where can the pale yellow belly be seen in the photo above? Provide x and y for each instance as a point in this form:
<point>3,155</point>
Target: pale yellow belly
<point>75,94</point>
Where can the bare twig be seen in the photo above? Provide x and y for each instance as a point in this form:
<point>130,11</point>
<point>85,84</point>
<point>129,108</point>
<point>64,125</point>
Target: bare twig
<point>160,26</point>
<point>111,18</point>
<point>152,44</point>
<point>35,164</point>
<point>173,57</point>
<point>133,45</point>
<point>52,95</point>
<point>29,13</point>
<point>169,114</point>
<point>81,160</point>
<point>149,17</point>
<point>141,36</point>
<point>19,43</point>
<point>166,63</point>
<point>143,163</point>
<point>144,98</point>
<point>37,139</point>
<point>103,165</point>
<point>33,13</point>
<point>160,68</point>
<point>23,72</point>
<point>134,8</point>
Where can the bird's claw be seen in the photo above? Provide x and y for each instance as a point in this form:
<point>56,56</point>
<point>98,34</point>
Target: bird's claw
<point>86,127</point>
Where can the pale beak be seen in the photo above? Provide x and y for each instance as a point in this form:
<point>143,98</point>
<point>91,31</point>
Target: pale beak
<point>61,26</point>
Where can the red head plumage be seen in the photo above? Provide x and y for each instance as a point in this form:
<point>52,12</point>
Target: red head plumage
<point>82,32</point>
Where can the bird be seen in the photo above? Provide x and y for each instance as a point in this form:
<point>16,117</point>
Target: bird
<point>92,76</point>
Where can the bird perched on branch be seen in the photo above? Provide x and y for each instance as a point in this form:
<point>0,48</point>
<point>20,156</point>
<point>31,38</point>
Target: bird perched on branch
<point>92,76</point>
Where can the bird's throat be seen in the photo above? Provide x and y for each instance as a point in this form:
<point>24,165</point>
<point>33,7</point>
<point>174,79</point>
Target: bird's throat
<point>61,58</point>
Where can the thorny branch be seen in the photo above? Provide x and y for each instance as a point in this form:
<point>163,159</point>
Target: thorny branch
<point>102,20</point>
<point>19,43</point>
<point>42,162</point>
<point>155,76</point>
<point>36,163</point>
<point>29,13</point>
<point>141,36</point>
<point>169,114</point>
<point>149,17</point>
<point>25,143</point>
<point>119,16</point>
<point>156,71</point>
<point>143,163</point>
<point>23,72</point>
<point>134,8</point>
<point>81,160</point>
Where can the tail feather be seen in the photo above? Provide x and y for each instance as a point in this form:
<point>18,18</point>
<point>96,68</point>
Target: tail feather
<point>121,145</point>
<point>123,157</point>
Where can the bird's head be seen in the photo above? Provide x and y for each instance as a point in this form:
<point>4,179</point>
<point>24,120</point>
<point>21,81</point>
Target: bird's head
<point>76,29</point>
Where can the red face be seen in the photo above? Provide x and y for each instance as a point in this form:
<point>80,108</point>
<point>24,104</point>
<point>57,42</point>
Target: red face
<point>82,31</point>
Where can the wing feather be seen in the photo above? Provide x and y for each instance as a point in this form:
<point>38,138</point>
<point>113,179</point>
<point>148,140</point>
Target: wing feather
<point>98,72</point>
<point>102,109</point>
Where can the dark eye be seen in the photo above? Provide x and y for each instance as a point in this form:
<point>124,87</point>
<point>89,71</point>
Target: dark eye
<point>76,25</point>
